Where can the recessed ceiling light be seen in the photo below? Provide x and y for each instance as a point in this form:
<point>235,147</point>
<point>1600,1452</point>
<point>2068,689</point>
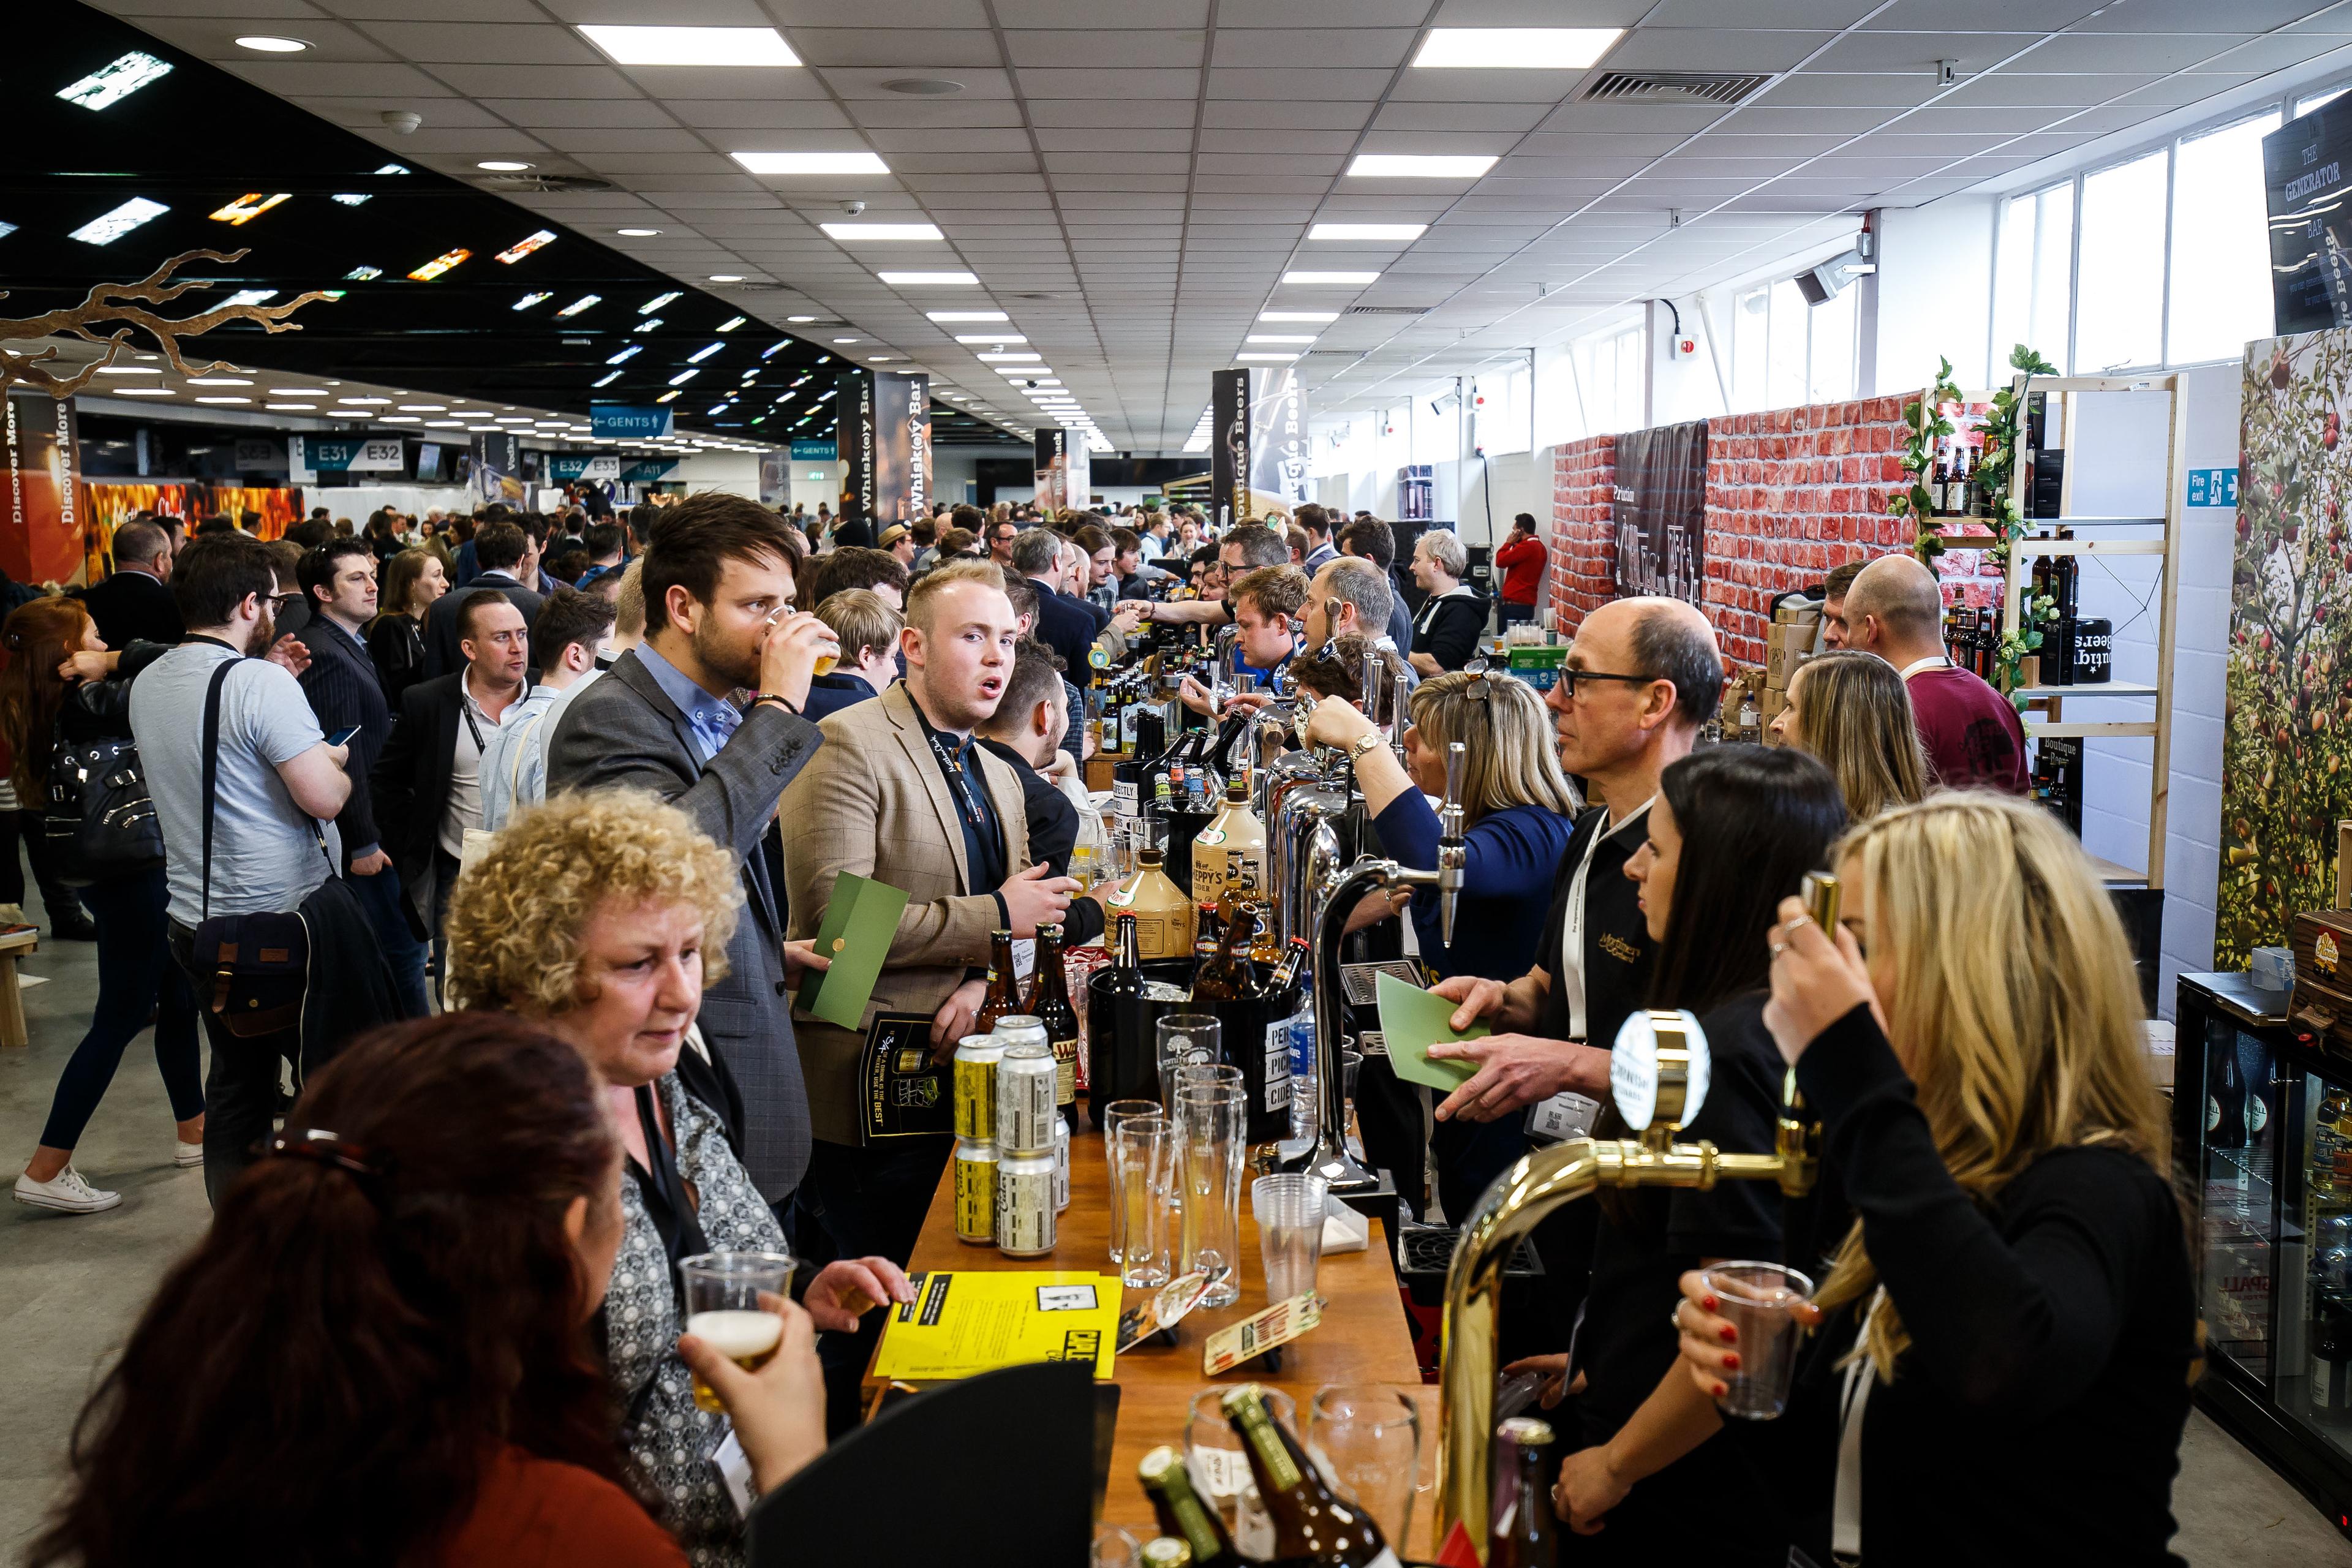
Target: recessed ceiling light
<point>224,398</point>
<point>993,338</point>
<point>698,355</point>
<point>525,246</point>
<point>272,44</point>
<point>1515,48</point>
<point>364,400</point>
<point>682,377</point>
<point>292,408</point>
<point>1368,231</point>
<point>109,227</point>
<point>849,340</point>
<point>116,80</point>
<point>929,279</point>
<point>729,324</point>
<point>692,46</point>
<point>445,424</point>
<point>637,233</point>
<point>812,163</point>
<point>439,264</point>
<point>967,315</point>
<point>881,358</point>
<point>1282,337</point>
<point>1298,315</point>
<point>657,301</point>
<point>400,419</point>
<point>145,392</point>
<point>855,233</point>
<point>1013,357</point>
<point>278,391</point>
<point>1355,279</point>
<point>801,319</point>
<point>1419,166</point>
<point>127,370</point>
<point>528,300</point>
<point>727,277</point>
<point>502,165</point>
<point>1267,354</point>
<point>239,381</point>
<point>666,397</point>
<point>423,407</point>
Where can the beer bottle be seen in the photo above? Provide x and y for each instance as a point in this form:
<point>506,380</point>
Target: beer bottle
<point>1287,976</point>
<point>1126,966</point>
<point>1003,998</point>
<point>1183,1514</point>
<point>1225,977</point>
<point>1311,1525</point>
<point>1524,1532</point>
<point>1268,947</point>
<point>1049,999</point>
<point>1165,1551</point>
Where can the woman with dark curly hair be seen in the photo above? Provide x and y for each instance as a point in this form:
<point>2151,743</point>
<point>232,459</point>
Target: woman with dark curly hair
<point>380,1354</point>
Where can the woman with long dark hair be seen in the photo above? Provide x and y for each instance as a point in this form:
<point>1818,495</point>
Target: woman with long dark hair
<point>1733,831</point>
<point>380,1354</point>
<point>412,581</point>
<point>61,682</point>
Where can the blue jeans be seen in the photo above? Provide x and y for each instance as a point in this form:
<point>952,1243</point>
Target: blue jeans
<point>1513,613</point>
<point>388,914</point>
<point>136,976</point>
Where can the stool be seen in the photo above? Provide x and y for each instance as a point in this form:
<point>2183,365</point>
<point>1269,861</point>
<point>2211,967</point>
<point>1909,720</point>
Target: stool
<point>13,946</point>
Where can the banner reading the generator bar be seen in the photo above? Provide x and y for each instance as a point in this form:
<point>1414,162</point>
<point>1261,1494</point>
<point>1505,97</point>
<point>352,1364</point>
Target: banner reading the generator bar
<point>886,445</point>
<point>1257,461</point>
<point>1063,480</point>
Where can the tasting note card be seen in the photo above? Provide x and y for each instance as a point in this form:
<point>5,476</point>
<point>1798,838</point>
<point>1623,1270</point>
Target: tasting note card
<point>855,933</point>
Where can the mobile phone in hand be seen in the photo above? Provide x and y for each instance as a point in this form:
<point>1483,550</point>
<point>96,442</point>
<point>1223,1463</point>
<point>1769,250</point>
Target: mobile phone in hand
<point>342,737</point>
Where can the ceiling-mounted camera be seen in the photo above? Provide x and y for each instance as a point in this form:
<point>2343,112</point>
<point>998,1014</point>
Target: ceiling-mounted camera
<point>853,208</point>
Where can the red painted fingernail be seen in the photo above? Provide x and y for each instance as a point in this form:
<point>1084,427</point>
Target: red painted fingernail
<point>1731,1361</point>
<point>1721,1389</point>
<point>1729,1333</point>
<point>1708,1303</point>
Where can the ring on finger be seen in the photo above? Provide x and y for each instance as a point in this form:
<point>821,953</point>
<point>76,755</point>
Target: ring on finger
<point>1674,1316</point>
<point>1777,948</point>
<point>1793,924</point>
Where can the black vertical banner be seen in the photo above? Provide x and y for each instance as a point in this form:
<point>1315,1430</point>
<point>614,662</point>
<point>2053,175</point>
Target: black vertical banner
<point>1661,510</point>
<point>859,442</point>
<point>1277,442</point>
<point>1229,437</point>
<point>1053,456</point>
<point>886,446</point>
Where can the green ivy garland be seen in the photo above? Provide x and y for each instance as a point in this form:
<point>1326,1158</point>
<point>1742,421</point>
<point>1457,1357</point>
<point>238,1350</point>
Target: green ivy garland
<point>1925,426</point>
<point>1997,471</point>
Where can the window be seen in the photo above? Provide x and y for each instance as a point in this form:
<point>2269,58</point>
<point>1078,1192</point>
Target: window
<point>1750,320</point>
<point>1784,372</point>
<point>2119,320</point>
<point>1504,418</point>
<point>2033,288</point>
<point>2304,106</point>
<point>1785,352</point>
<point>1609,371</point>
<point>2220,243</point>
<point>1830,373</point>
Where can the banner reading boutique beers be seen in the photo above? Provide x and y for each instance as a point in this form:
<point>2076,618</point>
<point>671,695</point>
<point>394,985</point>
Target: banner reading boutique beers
<point>1257,461</point>
<point>886,446</point>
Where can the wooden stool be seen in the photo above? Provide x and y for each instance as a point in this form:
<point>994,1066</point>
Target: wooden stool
<point>13,946</point>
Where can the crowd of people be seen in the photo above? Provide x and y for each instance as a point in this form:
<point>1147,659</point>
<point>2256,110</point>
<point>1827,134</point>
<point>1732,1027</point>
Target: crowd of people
<point>560,845</point>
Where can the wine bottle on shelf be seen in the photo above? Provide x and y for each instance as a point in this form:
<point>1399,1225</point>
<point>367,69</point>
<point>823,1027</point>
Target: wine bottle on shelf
<point>1003,998</point>
<point>1183,1514</point>
<point>1524,1532</point>
<point>1049,1000</point>
<point>1312,1526</point>
<point>2225,1106</point>
<point>1939,482</point>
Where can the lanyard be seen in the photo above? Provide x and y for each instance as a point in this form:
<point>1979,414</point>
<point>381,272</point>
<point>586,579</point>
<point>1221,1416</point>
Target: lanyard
<point>666,1203</point>
<point>1573,929</point>
<point>1845,1520</point>
<point>966,806</point>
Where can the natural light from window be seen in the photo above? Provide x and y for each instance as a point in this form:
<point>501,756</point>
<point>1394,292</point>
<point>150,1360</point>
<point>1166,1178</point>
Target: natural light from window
<point>2120,315</point>
<point>2221,244</point>
<point>2033,296</point>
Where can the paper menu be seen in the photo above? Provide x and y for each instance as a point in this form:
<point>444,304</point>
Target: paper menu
<point>963,1323</point>
<point>1413,1020</point>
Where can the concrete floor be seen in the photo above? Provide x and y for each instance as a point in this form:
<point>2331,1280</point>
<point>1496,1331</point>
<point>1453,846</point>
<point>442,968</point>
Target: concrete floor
<point>70,1286</point>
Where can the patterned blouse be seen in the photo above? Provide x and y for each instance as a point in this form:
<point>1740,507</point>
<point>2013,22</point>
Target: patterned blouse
<point>672,1441</point>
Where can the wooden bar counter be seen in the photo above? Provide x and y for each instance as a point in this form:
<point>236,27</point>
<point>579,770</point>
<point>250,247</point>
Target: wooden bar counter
<point>1363,1338</point>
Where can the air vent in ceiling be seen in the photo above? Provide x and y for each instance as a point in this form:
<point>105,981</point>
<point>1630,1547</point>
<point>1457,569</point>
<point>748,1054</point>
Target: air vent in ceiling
<point>1674,87</point>
<point>1387,310</point>
<point>526,184</point>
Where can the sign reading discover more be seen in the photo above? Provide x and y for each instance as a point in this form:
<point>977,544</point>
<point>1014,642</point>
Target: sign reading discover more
<point>313,455</point>
<point>629,424</point>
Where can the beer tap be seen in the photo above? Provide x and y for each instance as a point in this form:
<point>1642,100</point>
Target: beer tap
<point>1658,1076</point>
<point>1453,850</point>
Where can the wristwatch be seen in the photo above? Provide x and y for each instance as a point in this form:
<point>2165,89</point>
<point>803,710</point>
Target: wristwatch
<point>1370,741</point>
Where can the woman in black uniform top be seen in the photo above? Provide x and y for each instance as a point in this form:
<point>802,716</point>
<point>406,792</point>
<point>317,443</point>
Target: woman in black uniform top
<point>1974,1047</point>
<point>1734,829</point>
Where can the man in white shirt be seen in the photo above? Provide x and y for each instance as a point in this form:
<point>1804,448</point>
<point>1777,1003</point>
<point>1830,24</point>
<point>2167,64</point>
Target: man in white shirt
<point>568,637</point>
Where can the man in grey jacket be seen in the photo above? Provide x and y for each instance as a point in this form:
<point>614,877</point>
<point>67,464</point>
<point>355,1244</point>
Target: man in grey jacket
<point>717,576</point>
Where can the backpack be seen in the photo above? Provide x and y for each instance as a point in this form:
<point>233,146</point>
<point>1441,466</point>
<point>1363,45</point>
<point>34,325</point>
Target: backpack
<point>99,820</point>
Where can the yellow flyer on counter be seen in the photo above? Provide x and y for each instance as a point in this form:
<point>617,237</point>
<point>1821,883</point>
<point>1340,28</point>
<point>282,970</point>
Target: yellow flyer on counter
<point>960,1324</point>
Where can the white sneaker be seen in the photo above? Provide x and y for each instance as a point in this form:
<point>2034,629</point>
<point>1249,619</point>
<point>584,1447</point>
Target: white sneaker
<point>187,1154</point>
<point>66,1193</point>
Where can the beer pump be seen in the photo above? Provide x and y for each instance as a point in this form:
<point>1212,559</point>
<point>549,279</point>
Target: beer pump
<point>1658,1076</point>
<point>1330,1159</point>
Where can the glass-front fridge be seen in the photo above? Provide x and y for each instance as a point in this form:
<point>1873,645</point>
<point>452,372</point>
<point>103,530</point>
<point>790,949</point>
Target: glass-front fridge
<point>2261,1131</point>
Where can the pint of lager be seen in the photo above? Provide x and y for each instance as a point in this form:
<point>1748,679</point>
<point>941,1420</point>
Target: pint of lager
<point>731,1300</point>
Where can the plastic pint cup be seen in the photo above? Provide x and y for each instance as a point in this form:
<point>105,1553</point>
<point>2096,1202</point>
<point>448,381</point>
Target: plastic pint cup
<point>728,1298</point>
<point>1755,1298</point>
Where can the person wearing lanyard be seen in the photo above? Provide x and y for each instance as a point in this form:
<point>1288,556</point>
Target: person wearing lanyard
<point>428,782</point>
<point>1970,732</point>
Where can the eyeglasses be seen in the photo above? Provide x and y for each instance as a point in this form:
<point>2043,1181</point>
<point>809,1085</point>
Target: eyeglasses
<point>1474,687</point>
<point>1569,676</point>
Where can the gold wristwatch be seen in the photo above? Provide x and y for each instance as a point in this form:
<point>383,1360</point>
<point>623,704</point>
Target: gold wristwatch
<point>1369,741</point>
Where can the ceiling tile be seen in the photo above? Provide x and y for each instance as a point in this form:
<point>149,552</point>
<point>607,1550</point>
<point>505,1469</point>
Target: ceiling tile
<point>1150,49</point>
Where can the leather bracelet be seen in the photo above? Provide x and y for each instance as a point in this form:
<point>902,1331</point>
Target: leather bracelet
<point>784,703</point>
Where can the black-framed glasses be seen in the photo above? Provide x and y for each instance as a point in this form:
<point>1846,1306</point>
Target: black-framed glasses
<point>1570,675</point>
<point>279,601</point>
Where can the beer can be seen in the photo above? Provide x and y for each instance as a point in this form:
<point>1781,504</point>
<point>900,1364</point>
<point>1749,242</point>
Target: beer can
<point>1024,1203</point>
<point>1061,1162</point>
<point>1024,1098</point>
<point>975,1190</point>
<point>975,1086</point>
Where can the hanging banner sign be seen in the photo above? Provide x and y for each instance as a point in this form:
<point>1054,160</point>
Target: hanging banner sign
<point>651,471</point>
<point>629,424</point>
<point>814,452</point>
<point>259,454</point>
<point>1277,442</point>
<point>497,466</point>
<point>887,444</point>
<point>1062,478</point>
<point>312,455</point>
<point>563,467</point>
<point>1229,421</point>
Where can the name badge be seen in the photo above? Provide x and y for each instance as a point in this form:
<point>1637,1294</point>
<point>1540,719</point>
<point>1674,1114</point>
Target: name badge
<point>1564,1115</point>
<point>734,1467</point>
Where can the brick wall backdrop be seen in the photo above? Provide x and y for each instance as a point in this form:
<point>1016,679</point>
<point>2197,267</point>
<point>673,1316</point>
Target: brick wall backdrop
<point>1790,494</point>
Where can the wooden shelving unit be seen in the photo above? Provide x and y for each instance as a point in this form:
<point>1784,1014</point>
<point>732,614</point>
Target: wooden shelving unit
<point>2046,714</point>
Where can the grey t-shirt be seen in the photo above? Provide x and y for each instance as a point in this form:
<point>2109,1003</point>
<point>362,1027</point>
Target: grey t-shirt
<point>265,851</point>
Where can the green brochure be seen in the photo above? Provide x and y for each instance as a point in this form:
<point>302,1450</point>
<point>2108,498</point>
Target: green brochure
<point>1413,1020</point>
<point>855,933</point>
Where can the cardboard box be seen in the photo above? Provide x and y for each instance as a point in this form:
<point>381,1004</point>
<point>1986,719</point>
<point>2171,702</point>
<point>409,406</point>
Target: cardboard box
<point>1797,614</point>
<point>1785,648</point>
<point>1770,707</point>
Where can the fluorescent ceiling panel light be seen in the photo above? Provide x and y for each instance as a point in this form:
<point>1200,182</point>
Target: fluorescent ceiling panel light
<point>502,165</point>
<point>812,163</point>
<point>143,370</point>
<point>998,338</point>
<point>638,233</point>
<point>1514,48</point>
<point>1419,166</point>
<point>849,340</point>
<point>827,394</point>
<point>1008,358</point>
<point>225,398</point>
<point>423,407</point>
<point>292,408</point>
<point>1368,231</point>
<point>657,301</point>
<point>582,303</point>
<point>668,396</point>
<point>525,246</point>
<point>796,319</point>
<point>6,230</point>
<point>145,392</point>
<point>394,169</point>
<point>271,44</point>
<point>729,324</point>
<point>682,377</point>
<point>113,82</point>
<point>727,277</point>
<point>609,379</point>
<point>648,325</point>
<point>274,392</point>
<point>698,355</point>
<point>1298,315</point>
<point>692,46</point>
<point>400,419</point>
<point>628,352</point>
<point>528,300</point>
<point>929,279</point>
<point>967,315</point>
<point>244,380</point>
<point>1353,279</point>
<point>439,264</point>
<point>250,296</point>
<point>445,424</point>
<point>248,208</point>
<point>350,201</point>
<point>1281,337</point>
<point>109,227</point>
<point>857,233</point>
<point>362,274</point>
<point>1267,354</point>
<point>365,401</point>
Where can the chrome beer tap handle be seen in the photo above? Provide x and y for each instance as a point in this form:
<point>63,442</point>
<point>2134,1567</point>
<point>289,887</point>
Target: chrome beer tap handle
<point>1453,851</point>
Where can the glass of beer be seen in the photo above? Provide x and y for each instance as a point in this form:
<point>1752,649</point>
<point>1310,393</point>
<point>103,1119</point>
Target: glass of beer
<point>731,1304</point>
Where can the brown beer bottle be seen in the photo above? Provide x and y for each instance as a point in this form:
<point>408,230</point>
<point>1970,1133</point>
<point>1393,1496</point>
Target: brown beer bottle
<point>1523,1531</point>
<point>1183,1514</point>
<point>1126,963</point>
<point>1311,1525</point>
<point>1003,998</point>
<point>1049,999</point>
<point>1225,975</point>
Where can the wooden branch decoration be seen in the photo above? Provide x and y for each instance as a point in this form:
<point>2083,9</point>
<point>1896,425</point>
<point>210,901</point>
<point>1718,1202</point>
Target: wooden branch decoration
<point>116,306</point>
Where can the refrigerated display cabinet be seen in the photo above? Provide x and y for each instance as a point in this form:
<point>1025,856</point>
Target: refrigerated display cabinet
<point>2261,1141</point>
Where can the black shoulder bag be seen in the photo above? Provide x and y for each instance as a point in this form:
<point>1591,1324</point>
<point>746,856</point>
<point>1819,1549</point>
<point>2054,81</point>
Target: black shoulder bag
<point>258,963</point>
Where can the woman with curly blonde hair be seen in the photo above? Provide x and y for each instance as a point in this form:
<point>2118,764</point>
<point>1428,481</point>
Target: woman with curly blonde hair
<point>601,916</point>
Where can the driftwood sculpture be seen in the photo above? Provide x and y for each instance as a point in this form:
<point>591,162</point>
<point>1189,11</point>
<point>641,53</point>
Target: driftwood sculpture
<point>111,312</point>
